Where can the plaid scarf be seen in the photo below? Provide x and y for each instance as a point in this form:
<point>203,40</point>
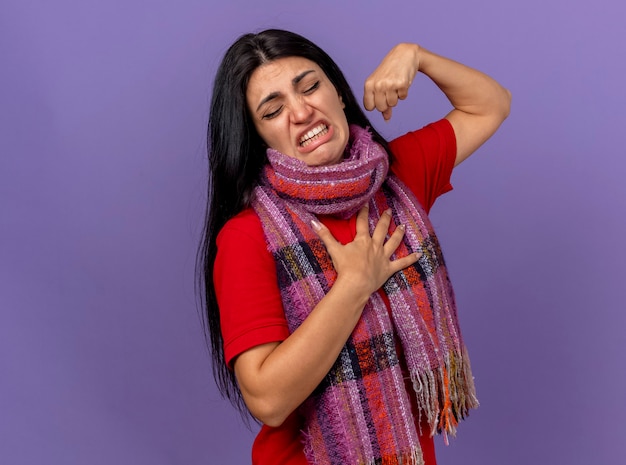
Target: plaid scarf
<point>361,412</point>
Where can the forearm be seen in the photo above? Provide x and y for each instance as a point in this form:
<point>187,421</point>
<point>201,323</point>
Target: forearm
<point>277,379</point>
<point>467,89</point>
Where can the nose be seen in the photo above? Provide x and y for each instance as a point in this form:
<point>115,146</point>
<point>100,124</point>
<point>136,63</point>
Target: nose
<point>301,111</point>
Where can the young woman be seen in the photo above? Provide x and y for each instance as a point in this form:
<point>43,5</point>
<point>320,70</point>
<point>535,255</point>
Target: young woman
<point>329,308</point>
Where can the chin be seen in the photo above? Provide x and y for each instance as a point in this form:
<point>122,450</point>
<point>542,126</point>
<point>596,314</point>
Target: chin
<point>330,159</point>
<point>326,161</point>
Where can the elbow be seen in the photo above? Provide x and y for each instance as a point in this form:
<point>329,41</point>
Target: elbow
<point>500,108</point>
<point>268,412</point>
<point>505,105</point>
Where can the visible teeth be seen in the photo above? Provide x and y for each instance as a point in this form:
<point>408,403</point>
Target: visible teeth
<point>309,136</point>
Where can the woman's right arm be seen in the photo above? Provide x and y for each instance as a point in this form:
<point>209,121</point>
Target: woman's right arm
<point>276,378</point>
<point>480,104</point>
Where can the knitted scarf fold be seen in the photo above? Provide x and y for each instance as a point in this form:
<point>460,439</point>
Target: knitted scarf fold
<point>361,412</point>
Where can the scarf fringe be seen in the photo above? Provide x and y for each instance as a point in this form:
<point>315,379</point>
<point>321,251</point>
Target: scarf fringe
<point>446,394</point>
<point>414,457</point>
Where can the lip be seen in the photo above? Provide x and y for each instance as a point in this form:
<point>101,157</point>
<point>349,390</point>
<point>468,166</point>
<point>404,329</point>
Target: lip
<point>319,141</point>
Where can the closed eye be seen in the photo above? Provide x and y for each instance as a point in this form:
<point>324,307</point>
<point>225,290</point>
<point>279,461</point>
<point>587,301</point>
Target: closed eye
<point>312,89</point>
<point>272,114</point>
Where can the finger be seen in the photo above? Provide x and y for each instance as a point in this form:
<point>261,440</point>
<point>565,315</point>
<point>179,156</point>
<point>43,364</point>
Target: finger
<point>325,235</point>
<point>368,98</point>
<point>392,98</point>
<point>362,220</point>
<point>369,93</point>
<point>382,227</point>
<point>404,262</point>
<point>380,100</point>
<point>387,114</point>
<point>394,241</point>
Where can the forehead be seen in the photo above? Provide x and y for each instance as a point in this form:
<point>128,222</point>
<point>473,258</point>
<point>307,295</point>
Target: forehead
<point>275,74</point>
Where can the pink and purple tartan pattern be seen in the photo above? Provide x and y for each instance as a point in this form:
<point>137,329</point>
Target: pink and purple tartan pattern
<point>361,412</point>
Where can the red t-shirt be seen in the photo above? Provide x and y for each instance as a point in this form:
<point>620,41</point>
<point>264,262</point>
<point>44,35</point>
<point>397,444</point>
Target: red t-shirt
<point>251,311</point>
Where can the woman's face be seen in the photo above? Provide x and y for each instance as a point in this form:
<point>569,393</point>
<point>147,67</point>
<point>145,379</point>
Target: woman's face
<point>297,111</point>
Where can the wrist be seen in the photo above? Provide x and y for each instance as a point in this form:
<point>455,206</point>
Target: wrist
<point>424,60</point>
<point>351,290</point>
<point>413,52</point>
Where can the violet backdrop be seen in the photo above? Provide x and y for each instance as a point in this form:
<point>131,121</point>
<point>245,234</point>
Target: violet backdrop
<point>103,109</point>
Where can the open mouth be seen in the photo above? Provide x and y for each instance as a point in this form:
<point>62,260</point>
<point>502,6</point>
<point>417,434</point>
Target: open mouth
<point>313,134</point>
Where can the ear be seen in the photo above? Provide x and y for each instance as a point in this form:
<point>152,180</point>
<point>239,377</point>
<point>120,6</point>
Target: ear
<point>343,105</point>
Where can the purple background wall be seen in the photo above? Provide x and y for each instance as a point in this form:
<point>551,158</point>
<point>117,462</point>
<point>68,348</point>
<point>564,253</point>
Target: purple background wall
<point>103,110</point>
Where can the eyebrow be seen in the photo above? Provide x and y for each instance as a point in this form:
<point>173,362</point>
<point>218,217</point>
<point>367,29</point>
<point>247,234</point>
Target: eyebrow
<point>295,81</point>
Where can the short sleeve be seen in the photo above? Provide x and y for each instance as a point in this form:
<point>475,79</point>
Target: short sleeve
<point>251,311</point>
<point>424,160</point>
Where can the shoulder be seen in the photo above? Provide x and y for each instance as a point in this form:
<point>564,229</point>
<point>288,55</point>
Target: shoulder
<point>245,224</point>
<point>243,219</point>
<point>241,243</point>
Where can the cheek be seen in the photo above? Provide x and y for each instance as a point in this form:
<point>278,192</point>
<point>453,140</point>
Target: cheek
<point>273,135</point>
<point>345,127</point>
<point>263,129</point>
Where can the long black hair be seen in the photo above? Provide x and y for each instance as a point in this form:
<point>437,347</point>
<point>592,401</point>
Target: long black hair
<point>236,155</point>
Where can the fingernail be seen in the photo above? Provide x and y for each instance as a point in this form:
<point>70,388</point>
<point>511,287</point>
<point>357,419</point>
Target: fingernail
<point>316,225</point>
<point>388,211</point>
<point>401,227</point>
